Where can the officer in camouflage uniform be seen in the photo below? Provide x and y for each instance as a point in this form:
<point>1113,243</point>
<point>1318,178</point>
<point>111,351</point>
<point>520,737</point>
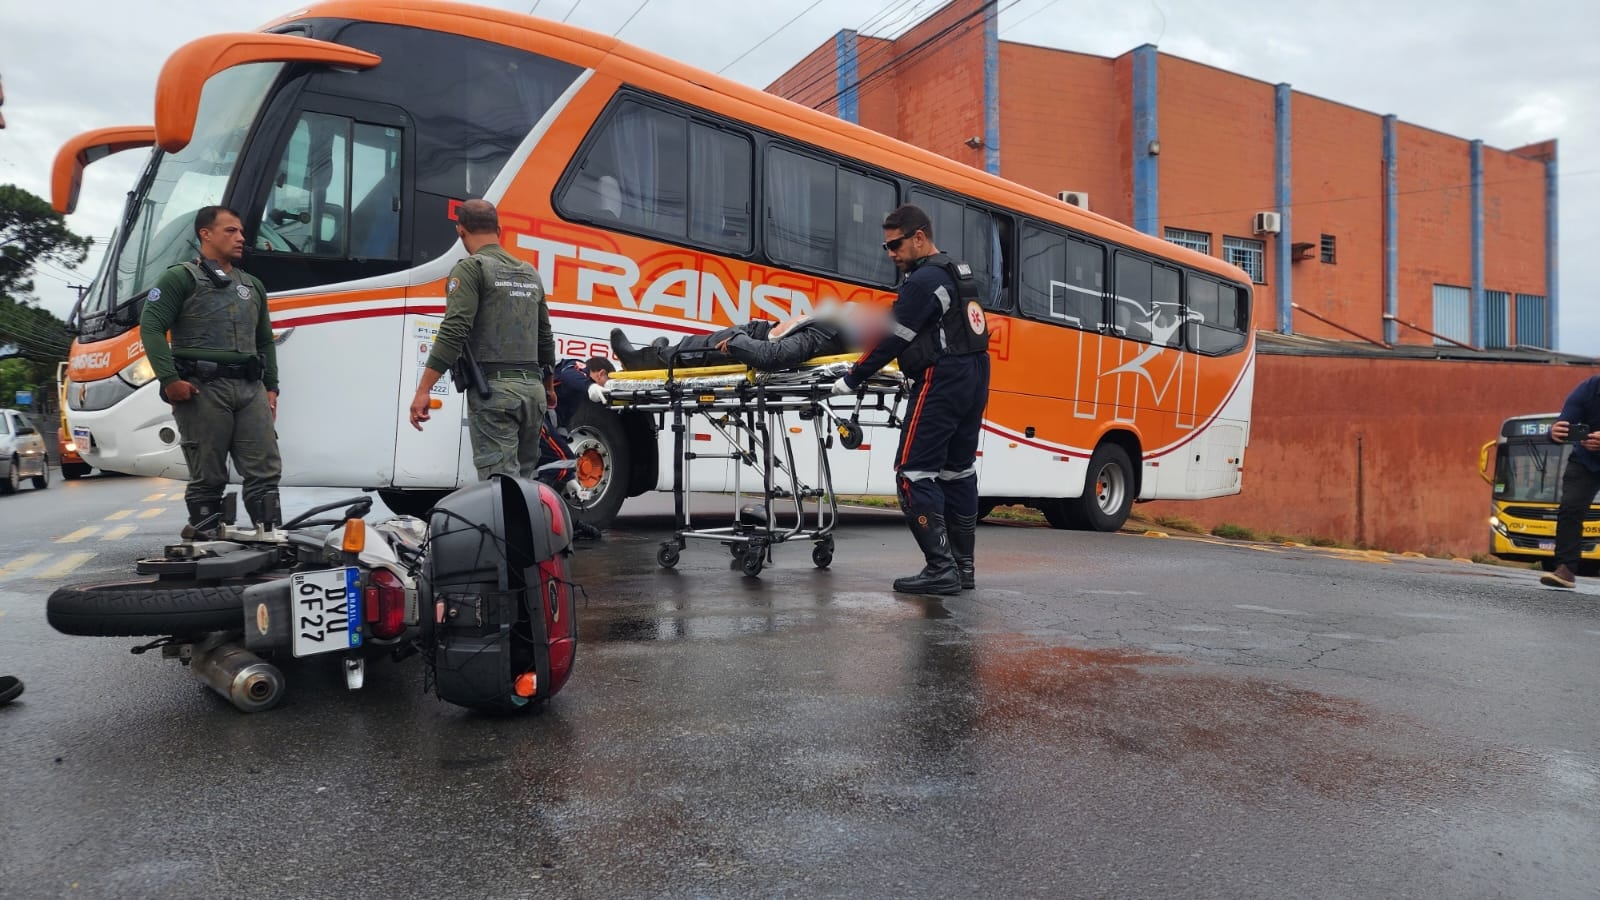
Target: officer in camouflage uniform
<point>495,305</point>
<point>220,372</point>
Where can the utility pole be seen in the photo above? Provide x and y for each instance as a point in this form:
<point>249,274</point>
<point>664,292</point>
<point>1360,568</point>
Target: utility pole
<point>81,289</point>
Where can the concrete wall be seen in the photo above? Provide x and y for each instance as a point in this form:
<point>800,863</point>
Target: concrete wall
<point>1381,452</point>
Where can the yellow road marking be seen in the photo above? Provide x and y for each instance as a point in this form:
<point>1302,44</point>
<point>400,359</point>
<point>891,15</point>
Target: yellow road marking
<point>176,496</point>
<point>119,514</point>
<point>154,497</point>
<point>21,562</point>
<point>120,532</point>
<point>67,564</point>
<point>78,535</point>
<point>152,513</point>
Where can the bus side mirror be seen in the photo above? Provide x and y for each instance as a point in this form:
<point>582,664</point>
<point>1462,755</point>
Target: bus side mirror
<point>1483,462</point>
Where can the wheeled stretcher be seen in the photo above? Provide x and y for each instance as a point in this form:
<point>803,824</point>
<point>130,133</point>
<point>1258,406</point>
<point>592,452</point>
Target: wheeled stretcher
<point>759,415</point>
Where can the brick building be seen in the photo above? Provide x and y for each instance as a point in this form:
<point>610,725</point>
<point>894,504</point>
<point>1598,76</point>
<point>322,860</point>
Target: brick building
<point>1405,279</point>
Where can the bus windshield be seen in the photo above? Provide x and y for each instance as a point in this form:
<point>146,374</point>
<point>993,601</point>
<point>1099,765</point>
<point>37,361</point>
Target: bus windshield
<point>1530,472</point>
<point>158,227</point>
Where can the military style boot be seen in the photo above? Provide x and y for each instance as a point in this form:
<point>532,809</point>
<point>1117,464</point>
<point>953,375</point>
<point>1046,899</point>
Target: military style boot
<point>637,358</point>
<point>963,541</point>
<point>205,521</point>
<point>264,511</point>
<point>939,575</point>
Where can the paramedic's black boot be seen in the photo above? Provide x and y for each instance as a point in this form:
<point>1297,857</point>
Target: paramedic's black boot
<point>963,541</point>
<point>205,521</point>
<point>637,358</point>
<point>939,575</point>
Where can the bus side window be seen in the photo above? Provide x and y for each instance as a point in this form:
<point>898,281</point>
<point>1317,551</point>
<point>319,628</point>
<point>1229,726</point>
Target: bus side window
<point>1218,316</point>
<point>1062,279</point>
<point>656,172</point>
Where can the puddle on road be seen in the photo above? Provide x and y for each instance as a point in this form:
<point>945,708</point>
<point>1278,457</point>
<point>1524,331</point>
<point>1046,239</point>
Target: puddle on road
<point>1249,735</point>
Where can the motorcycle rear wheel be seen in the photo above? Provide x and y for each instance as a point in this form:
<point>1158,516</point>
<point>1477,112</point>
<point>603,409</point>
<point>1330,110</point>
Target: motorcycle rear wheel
<point>151,608</point>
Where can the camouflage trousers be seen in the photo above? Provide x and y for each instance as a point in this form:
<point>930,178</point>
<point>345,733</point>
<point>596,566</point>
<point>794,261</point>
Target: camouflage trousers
<point>504,427</point>
<point>228,416</point>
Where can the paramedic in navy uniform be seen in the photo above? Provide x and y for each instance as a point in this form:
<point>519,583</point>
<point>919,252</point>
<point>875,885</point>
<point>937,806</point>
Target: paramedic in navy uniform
<point>941,340</point>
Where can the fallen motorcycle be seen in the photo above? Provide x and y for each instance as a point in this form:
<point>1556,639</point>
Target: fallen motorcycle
<point>481,591</point>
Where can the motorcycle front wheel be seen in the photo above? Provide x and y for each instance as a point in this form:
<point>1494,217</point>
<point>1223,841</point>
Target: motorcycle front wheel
<point>146,608</point>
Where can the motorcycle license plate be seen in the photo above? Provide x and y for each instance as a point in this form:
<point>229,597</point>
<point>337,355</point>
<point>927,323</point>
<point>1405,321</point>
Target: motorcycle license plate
<point>327,610</point>
<point>82,438</point>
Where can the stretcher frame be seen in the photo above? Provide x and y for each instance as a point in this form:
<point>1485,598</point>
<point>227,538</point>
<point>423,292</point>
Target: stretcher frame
<point>748,408</point>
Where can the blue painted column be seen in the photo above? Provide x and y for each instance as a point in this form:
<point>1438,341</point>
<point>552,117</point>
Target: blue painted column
<point>1391,233</point>
<point>844,55</point>
<point>991,89</point>
<point>1551,256</point>
<point>1146,173</point>
<point>1282,97</point>
<point>1480,303</point>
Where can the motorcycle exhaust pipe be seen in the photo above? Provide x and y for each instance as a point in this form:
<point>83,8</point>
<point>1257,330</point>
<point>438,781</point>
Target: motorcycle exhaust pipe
<point>249,682</point>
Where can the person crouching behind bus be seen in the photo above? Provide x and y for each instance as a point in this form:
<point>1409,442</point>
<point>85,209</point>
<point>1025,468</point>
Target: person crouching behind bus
<point>220,372</point>
<point>576,383</point>
<point>1581,481</point>
<point>496,302</point>
<point>941,339</point>
<point>761,343</point>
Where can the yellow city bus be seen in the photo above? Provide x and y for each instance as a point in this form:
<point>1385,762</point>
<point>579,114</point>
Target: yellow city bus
<point>1525,477</point>
<point>651,196</point>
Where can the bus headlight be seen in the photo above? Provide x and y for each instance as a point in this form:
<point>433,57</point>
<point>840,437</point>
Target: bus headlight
<point>139,373</point>
<point>1498,526</point>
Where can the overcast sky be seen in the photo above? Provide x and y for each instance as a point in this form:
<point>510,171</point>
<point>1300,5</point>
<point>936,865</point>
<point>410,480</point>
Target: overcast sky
<point>1509,74</point>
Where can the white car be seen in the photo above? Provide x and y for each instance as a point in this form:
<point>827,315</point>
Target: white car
<point>22,453</point>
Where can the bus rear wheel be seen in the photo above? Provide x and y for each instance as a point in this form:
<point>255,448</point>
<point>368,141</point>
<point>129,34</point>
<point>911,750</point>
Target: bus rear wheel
<point>1107,494</point>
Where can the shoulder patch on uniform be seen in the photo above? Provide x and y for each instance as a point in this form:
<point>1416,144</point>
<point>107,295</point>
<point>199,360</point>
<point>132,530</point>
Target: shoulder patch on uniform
<point>975,317</point>
<point>964,269</point>
<point>451,285</point>
<point>244,291</point>
<point>154,295</point>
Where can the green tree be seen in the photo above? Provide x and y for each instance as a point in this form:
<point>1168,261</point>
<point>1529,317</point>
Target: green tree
<point>31,232</point>
<point>32,340</point>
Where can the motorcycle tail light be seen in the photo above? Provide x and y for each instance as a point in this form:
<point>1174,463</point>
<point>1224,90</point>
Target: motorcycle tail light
<point>386,605</point>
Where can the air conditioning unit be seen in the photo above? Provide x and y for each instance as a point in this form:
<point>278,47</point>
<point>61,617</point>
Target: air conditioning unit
<point>1268,223</point>
<point>1080,199</point>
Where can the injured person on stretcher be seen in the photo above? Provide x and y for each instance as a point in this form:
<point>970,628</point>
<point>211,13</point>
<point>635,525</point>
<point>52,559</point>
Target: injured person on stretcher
<point>762,344</point>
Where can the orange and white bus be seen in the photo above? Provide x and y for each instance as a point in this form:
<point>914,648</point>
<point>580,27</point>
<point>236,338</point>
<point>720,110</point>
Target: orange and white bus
<point>652,196</point>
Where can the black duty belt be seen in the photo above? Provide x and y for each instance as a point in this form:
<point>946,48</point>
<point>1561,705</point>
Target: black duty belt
<point>532,373</point>
<point>206,370</point>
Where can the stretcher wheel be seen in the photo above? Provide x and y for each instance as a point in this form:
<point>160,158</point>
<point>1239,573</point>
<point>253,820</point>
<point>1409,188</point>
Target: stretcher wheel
<point>822,554</point>
<point>754,558</point>
<point>850,435</point>
<point>736,549</point>
<point>667,556</point>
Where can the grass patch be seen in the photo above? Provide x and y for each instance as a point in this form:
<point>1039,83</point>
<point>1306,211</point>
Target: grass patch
<point>1178,523</point>
<point>1485,559</point>
<point>1234,532</point>
<point>1319,541</point>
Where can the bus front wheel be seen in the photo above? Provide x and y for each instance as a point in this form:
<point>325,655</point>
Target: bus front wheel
<point>604,459</point>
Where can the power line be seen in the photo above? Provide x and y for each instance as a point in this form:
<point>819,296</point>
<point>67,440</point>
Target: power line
<point>630,18</point>
<point>572,10</point>
<point>820,71</point>
<point>924,44</point>
<point>533,7</point>
<point>1030,15</point>
<point>769,36</point>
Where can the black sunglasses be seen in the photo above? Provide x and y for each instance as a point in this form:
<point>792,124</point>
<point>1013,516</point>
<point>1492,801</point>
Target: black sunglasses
<point>894,245</point>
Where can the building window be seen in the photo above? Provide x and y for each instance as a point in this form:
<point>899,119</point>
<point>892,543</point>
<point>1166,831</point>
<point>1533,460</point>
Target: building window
<point>1248,255</point>
<point>1452,314</point>
<point>1328,255</point>
<point>1498,333</point>
<point>1533,323</point>
<point>1198,241</point>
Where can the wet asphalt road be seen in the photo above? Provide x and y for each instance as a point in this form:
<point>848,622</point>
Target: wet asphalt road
<point>1107,716</point>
